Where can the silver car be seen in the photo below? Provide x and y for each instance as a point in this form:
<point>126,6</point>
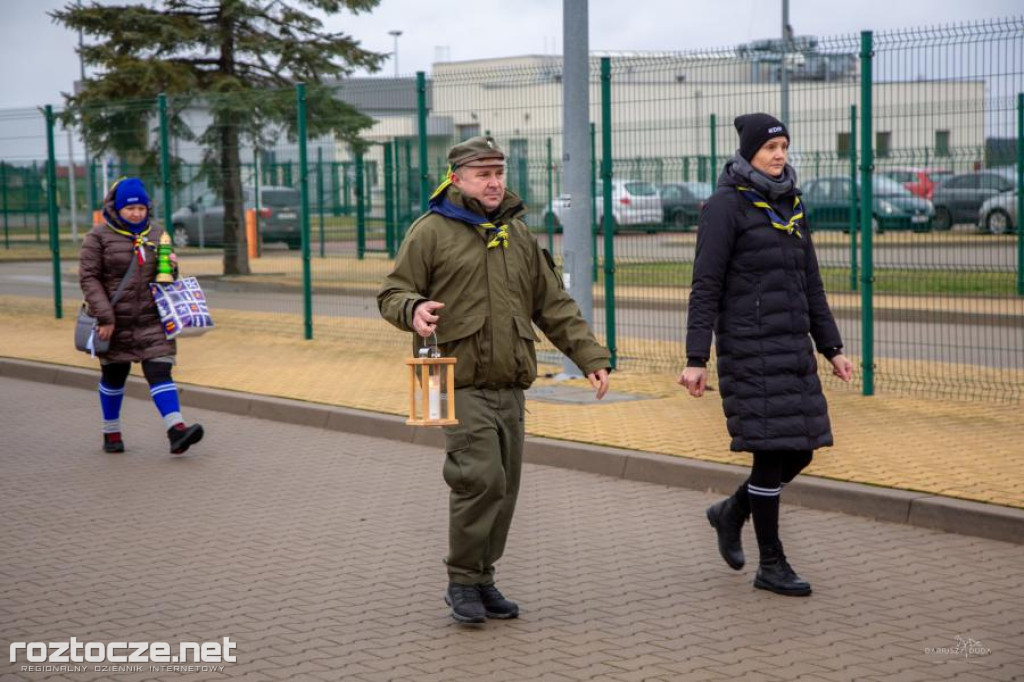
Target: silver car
<point>201,223</point>
<point>634,202</point>
<point>998,215</point>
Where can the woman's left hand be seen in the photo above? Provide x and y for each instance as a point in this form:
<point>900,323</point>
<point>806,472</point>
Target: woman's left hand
<point>842,367</point>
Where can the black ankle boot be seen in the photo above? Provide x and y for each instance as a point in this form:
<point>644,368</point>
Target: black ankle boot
<point>727,519</point>
<point>776,575</point>
<point>465,602</point>
<point>183,437</point>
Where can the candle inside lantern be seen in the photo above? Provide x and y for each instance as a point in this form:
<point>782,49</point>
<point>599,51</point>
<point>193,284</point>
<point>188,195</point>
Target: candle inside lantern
<point>434,394</point>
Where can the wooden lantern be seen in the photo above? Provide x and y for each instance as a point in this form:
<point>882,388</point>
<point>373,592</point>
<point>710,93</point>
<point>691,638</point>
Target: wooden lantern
<point>428,372</point>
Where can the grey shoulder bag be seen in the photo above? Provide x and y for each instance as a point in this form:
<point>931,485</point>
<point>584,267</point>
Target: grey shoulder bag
<point>86,339</point>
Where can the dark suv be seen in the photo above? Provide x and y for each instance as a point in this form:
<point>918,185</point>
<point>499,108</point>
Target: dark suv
<point>958,199</point>
<point>201,223</point>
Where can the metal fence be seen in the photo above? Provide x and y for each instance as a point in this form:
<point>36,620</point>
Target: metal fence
<point>907,145</point>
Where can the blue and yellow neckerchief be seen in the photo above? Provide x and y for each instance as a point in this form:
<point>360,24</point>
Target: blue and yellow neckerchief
<point>774,218</point>
<point>139,241</point>
<point>497,235</point>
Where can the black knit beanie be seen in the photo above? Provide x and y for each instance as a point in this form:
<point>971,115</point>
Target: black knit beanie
<point>755,130</point>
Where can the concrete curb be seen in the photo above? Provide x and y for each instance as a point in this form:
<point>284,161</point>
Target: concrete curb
<point>884,504</point>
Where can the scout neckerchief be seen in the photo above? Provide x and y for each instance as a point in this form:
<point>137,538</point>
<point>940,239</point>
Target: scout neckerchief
<point>497,235</point>
<point>139,241</point>
<point>774,218</point>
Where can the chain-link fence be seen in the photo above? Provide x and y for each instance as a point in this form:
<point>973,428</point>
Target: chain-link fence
<point>907,145</point>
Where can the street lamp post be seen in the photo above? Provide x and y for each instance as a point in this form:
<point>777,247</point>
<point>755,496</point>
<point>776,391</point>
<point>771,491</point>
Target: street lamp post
<point>395,35</point>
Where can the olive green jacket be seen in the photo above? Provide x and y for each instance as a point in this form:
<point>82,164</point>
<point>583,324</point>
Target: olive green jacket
<point>490,297</point>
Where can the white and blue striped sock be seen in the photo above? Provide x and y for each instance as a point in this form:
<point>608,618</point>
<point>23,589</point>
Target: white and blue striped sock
<point>110,404</point>
<point>165,397</point>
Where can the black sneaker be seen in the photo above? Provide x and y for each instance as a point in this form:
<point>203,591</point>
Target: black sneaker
<point>495,604</point>
<point>182,437</point>
<point>112,442</point>
<point>465,603</point>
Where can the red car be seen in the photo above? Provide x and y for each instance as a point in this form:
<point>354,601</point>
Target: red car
<point>920,182</point>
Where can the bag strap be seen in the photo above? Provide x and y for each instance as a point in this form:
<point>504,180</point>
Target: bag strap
<point>124,282</point>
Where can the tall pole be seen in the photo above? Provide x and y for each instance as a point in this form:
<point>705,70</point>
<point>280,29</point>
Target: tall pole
<point>867,168</point>
<point>1020,194</point>
<point>783,66</point>
<point>577,245</point>
<point>51,212</point>
<point>395,34</point>
<point>421,126</point>
<point>307,283</point>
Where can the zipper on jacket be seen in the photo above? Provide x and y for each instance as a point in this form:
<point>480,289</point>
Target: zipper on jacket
<point>757,304</point>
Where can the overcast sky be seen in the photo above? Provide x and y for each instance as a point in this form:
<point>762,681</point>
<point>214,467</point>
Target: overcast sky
<point>39,59</point>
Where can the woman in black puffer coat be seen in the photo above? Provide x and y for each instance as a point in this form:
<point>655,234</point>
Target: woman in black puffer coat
<point>756,284</point>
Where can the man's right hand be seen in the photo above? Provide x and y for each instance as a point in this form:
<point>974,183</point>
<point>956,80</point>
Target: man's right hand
<point>424,319</point>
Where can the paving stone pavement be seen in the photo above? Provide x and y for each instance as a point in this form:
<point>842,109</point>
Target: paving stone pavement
<point>319,554</point>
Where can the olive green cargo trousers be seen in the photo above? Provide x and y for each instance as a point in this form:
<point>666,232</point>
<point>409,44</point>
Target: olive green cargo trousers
<point>482,468</point>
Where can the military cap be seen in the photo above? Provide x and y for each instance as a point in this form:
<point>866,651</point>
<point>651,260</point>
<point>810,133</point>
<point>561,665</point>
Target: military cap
<point>476,151</point>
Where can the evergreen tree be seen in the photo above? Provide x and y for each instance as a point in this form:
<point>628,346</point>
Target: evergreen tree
<point>238,59</point>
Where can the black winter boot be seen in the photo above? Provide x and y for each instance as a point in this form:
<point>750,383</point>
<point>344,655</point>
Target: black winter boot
<point>182,437</point>
<point>495,604</point>
<point>465,602</point>
<point>727,518</point>
<point>112,442</point>
<point>776,575</point>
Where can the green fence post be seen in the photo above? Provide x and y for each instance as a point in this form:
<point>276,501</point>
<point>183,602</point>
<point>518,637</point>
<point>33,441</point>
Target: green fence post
<point>549,216</point>
<point>3,190</point>
<point>866,172</point>
<point>853,197</point>
<point>686,169</point>
<point>307,280</point>
<point>51,205</point>
<point>320,193</point>
<point>389,201</point>
<point>165,164</point>
<point>346,191</point>
<point>335,185</point>
<point>36,181</point>
<point>714,152</point>
<point>399,215</point>
<point>1020,194</point>
<point>421,120</point>
<point>360,208</point>
<point>609,219</point>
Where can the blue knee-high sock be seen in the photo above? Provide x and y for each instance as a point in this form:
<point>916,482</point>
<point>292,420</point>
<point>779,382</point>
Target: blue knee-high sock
<point>165,396</point>
<point>110,403</point>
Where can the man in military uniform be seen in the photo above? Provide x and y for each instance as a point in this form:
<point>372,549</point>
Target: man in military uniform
<point>470,272</point>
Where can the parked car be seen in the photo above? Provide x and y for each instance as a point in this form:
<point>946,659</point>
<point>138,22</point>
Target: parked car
<point>998,215</point>
<point>201,223</point>
<point>681,202</point>
<point>920,182</point>
<point>827,203</point>
<point>959,198</point>
<point>634,202</point>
